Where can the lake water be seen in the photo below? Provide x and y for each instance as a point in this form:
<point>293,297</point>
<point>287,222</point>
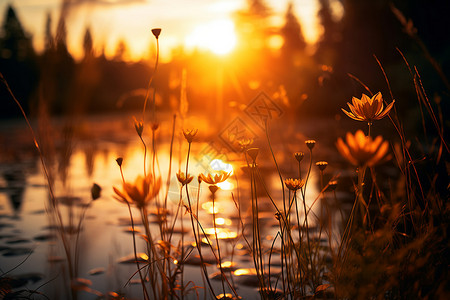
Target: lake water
<point>85,154</point>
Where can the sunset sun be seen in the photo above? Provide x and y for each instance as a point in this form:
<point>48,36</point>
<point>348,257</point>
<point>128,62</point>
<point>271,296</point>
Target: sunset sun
<point>218,37</point>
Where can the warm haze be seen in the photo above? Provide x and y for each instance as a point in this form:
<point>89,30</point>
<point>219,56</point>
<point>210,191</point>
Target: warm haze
<point>207,25</point>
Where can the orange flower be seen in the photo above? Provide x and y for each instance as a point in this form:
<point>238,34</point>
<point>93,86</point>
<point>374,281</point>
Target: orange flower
<point>245,143</point>
<point>183,179</point>
<point>310,144</point>
<point>253,153</point>
<point>294,184</point>
<point>190,134</point>
<point>216,178</point>
<point>362,150</point>
<point>368,109</point>
<point>299,156</point>
<point>322,165</point>
<point>141,192</point>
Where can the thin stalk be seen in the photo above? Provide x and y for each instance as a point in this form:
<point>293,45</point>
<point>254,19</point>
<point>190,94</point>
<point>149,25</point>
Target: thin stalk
<point>48,178</point>
<point>300,243</point>
<point>217,241</point>
<point>144,288</point>
<point>308,240</point>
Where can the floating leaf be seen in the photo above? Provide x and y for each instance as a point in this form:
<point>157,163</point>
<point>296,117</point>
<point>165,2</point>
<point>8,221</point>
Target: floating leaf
<point>96,271</point>
<point>131,259</point>
<point>55,259</point>
<point>17,241</point>
<point>131,230</point>
<point>17,251</point>
<point>68,200</point>
<point>44,237</point>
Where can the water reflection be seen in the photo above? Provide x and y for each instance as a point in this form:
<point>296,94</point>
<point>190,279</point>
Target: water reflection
<point>105,234</point>
<point>15,182</point>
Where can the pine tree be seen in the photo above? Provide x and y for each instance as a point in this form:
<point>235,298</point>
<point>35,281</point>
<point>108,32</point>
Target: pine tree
<point>294,41</point>
<point>326,46</point>
<point>88,45</point>
<point>15,43</point>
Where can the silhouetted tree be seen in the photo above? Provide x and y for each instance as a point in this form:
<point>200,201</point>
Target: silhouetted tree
<point>253,26</point>
<point>88,46</point>
<point>15,43</point>
<point>328,41</point>
<point>49,40</point>
<point>121,50</point>
<point>368,28</point>
<point>17,63</point>
<point>294,41</point>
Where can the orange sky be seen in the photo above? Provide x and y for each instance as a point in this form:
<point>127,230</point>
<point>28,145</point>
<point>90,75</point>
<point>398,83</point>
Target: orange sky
<point>189,23</point>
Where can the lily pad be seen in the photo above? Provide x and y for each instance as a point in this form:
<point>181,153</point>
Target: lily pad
<point>17,251</point>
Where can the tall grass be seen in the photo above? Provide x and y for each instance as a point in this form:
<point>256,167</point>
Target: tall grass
<point>392,244</point>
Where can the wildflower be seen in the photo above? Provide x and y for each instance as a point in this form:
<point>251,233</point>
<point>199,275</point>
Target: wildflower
<point>156,32</point>
<point>189,134</point>
<point>214,179</point>
<point>213,189</point>
<point>245,143</point>
<point>253,153</point>
<point>183,179</point>
<point>322,165</point>
<point>362,150</point>
<point>95,191</point>
<point>119,161</point>
<point>140,192</point>
<point>294,184</point>
<point>299,156</point>
<point>332,185</point>
<point>310,144</point>
<point>368,109</point>
<point>155,126</point>
<point>139,127</point>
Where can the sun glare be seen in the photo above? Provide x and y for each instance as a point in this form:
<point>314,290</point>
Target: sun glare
<point>218,36</point>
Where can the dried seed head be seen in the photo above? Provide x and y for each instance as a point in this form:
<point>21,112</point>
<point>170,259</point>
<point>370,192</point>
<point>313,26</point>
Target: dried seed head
<point>322,165</point>
<point>310,144</point>
<point>299,156</point>
<point>119,161</point>
<point>95,191</point>
<point>253,153</point>
<point>156,32</point>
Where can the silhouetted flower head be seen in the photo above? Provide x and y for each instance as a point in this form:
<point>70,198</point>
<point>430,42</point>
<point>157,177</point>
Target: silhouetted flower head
<point>183,179</point>
<point>332,185</point>
<point>190,134</point>
<point>245,143</point>
<point>95,191</point>
<point>156,32</point>
<point>368,109</point>
<point>294,184</point>
<point>253,153</point>
<point>155,126</point>
<point>322,165</point>
<point>213,188</point>
<point>310,144</point>
<point>139,126</point>
<point>299,156</point>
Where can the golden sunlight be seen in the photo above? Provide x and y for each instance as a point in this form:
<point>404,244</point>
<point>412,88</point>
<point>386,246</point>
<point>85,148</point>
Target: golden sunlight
<point>217,36</point>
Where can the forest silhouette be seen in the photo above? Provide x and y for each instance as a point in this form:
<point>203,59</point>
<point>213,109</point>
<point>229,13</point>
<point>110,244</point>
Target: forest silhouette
<point>310,82</point>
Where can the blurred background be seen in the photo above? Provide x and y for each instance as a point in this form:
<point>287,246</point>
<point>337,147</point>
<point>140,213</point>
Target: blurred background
<point>96,56</point>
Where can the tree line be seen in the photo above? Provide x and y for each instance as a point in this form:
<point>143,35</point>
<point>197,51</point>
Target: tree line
<point>312,79</point>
